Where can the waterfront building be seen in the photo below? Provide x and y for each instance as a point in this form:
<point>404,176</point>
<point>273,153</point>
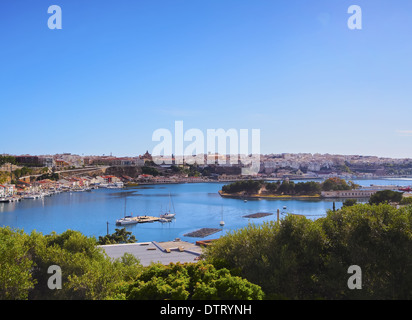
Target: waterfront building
<point>348,194</point>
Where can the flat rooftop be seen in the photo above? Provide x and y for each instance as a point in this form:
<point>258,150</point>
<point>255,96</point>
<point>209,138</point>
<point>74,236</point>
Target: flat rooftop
<point>163,252</point>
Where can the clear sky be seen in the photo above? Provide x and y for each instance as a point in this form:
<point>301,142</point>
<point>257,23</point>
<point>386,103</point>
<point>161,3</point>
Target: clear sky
<point>119,70</point>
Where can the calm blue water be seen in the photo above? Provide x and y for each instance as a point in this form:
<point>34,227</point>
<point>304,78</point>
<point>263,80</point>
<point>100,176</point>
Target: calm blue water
<point>196,205</point>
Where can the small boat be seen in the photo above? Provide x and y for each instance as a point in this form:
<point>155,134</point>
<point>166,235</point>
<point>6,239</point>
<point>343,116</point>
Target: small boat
<point>32,196</point>
<point>168,215</point>
<point>126,221</point>
<point>222,223</point>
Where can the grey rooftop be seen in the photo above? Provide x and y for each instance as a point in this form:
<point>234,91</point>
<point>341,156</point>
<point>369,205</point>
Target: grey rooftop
<point>163,252</point>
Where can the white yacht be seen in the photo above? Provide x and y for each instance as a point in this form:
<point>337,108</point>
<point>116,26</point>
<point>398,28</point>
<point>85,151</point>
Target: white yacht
<point>169,215</point>
<point>126,221</point>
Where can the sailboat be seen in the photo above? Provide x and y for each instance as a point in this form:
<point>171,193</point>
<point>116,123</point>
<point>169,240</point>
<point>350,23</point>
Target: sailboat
<point>127,219</point>
<point>169,215</point>
<point>222,223</point>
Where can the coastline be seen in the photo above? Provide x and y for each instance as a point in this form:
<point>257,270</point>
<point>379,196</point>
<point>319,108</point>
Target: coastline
<point>274,197</point>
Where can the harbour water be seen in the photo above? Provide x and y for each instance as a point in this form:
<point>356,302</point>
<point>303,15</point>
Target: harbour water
<point>197,205</point>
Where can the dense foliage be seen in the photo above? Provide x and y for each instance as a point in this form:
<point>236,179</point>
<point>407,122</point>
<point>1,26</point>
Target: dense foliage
<point>119,236</point>
<point>51,176</point>
<point>297,258</point>
<point>385,196</point>
<point>150,170</point>
<point>288,187</point>
<point>191,281</point>
<point>248,186</point>
<point>406,201</point>
<point>304,259</point>
<point>7,159</point>
<point>89,274</point>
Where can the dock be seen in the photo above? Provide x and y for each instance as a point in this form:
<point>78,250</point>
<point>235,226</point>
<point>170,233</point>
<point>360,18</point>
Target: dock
<point>145,219</point>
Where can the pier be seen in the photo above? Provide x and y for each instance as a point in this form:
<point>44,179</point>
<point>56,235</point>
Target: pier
<point>145,219</point>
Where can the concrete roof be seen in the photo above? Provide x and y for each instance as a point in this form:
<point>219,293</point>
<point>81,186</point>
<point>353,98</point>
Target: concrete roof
<point>148,252</point>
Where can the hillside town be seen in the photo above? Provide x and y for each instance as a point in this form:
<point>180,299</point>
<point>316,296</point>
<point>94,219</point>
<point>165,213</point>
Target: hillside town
<point>31,176</point>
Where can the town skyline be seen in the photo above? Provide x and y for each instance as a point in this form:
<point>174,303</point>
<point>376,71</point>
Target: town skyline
<point>139,154</point>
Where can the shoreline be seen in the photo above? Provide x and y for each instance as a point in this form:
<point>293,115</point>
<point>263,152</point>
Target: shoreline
<point>138,183</point>
<point>274,197</point>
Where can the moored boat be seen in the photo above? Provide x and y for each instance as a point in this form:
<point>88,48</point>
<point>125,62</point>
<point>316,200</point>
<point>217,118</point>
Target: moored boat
<point>126,221</point>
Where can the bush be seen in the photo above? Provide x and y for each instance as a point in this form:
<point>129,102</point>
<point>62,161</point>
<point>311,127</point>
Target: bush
<point>87,273</point>
<point>406,201</point>
<point>248,186</point>
<point>306,259</point>
<point>385,196</point>
<point>191,281</point>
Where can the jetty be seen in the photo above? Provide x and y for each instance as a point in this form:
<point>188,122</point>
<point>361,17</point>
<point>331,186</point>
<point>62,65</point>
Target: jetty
<point>146,219</point>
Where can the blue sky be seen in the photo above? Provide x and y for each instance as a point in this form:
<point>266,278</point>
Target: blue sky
<point>119,70</point>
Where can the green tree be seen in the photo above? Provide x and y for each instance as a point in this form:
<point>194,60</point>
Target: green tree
<point>191,281</point>
<point>308,259</point>
<point>15,264</point>
<point>385,196</point>
<point>334,184</point>
<point>281,258</point>
<point>87,273</point>
<point>349,202</point>
<point>406,201</point>
<point>150,170</point>
<point>7,159</point>
<point>119,236</point>
<point>246,186</point>
<point>378,239</point>
<point>4,177</point>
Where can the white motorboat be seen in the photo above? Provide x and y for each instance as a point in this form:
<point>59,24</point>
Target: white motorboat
<point>126,221</point>
<point>32,196</point>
